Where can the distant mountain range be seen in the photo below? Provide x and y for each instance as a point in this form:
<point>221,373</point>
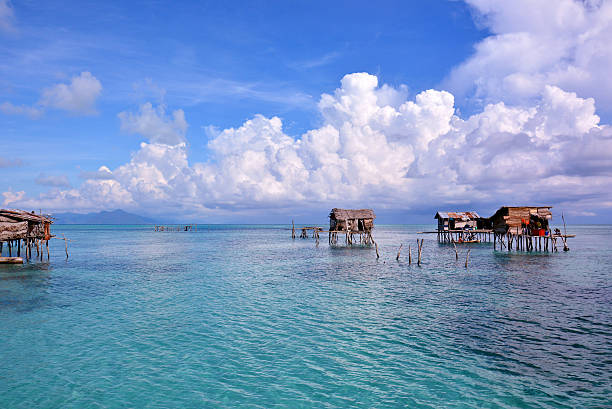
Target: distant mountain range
<point>112,217</point>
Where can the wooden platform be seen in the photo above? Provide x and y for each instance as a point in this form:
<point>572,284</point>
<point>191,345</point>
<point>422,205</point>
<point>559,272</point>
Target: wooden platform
<point>11,260</point>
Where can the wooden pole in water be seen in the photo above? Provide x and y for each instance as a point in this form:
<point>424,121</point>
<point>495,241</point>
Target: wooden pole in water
<point>47,244</point>
<point>398,252</point>
<point>420,245</point>
<point>456,253</point>
<point>66,244</point>
<point>540,243</point>
<point>377,255</point>
<point>467,257</point>
<point>565,248</point>
<point>409,255</point>
<point>292,230</point>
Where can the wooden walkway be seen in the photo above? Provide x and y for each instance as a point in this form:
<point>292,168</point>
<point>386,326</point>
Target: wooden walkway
<point>462,236</point>
<point>507,241</point>
<point>365,237</point>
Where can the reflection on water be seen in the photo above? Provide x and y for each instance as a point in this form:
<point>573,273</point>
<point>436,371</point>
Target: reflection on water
<point>245,316</point>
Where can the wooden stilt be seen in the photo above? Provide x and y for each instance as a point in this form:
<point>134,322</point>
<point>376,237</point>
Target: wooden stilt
<point>398,252</point>
<point>565,247</point>
<point>467,257</point>
<point>66,244</point>
<point>420,245</point>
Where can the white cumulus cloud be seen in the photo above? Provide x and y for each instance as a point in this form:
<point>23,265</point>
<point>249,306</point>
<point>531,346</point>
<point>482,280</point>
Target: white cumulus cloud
<point>79,96</point>
<point>12,197</point>
<point>535,43</point>
<point>371,150</point>
<point>153,124</point>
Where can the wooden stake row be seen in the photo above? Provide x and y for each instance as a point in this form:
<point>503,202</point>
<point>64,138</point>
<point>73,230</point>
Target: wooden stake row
<point>27,244</point>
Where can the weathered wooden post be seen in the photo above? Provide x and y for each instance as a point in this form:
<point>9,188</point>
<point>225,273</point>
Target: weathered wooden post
<point>409,255</point>
<point>420,246</point>
<point>456,253</point>
<point>467,257</point>
<point>66,244</point>
<point>398,252</point>
<point>377,255</point>
<point>565,248</point>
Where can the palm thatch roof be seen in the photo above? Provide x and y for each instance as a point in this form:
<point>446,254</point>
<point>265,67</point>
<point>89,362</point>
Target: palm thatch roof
<point>11,215</point>
<point>349,214</point>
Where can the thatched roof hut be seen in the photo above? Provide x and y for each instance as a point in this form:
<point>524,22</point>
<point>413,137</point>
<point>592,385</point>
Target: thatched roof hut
<point>355,220</point>
<point>20,225</point>
<point>514,218</point>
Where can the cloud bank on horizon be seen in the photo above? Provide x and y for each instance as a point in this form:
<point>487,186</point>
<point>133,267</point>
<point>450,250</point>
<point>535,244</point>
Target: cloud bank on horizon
<point>536,139</point>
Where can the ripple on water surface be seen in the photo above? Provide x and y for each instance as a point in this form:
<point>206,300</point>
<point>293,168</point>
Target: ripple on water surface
<point>243,316</point>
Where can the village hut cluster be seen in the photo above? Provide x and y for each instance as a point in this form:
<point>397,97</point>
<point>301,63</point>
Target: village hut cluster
<point>524,228</point>
<point>23,232</point>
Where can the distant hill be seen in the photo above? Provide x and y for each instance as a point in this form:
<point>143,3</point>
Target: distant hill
<point>113,217</point>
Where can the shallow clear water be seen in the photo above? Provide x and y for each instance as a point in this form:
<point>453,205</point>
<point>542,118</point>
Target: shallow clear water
<point>243,316</point>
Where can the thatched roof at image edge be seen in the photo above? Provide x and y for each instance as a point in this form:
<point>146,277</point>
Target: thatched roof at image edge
<point>347,214</point>
<point>10,215</point>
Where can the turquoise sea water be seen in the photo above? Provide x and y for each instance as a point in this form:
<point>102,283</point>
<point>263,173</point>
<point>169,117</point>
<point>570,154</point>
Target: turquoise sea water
<point>243,316</point>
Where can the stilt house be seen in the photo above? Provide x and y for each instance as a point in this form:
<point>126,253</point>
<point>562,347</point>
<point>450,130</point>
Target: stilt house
<point>21,225</point>
<point>458,220</point>
<point>532,220</point>
<point>352,220</point>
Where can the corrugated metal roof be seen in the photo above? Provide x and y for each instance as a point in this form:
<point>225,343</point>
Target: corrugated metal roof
<point>457,215</point>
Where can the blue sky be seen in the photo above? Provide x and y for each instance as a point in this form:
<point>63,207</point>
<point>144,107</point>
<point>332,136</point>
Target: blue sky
<point>222,65</point>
